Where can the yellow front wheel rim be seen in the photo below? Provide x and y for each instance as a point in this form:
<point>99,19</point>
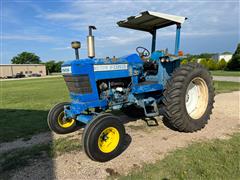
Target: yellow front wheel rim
<point>108,139</point>
<point>64,124</point>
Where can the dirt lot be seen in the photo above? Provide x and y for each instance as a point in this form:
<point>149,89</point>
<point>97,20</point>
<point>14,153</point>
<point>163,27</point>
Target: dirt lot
<point>148,144</point>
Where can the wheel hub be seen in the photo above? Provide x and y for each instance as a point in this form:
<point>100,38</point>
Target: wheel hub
<point>104,137</point>
<point>196,98</point>
<point>108,139</point>
<point>63,122</point>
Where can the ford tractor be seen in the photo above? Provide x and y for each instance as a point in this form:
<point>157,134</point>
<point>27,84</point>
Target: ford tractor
<point>151,83</point>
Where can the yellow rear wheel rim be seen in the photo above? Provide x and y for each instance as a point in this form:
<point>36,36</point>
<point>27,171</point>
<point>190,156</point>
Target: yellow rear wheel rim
<point>108,139</point>
<point>64,124</point>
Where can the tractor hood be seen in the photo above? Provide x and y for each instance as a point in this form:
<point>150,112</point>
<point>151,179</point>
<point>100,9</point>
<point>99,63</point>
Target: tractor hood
<point>129,59</point>
<point>103,68</point>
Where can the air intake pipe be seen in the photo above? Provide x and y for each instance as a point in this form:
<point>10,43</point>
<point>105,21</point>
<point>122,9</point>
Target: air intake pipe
<point>76,45</point>
<point>90,42</point>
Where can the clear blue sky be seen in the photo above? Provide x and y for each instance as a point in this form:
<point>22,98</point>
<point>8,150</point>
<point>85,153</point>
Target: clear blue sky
<point>47,27</point>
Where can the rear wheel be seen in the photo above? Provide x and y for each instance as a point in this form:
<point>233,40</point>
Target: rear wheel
<point>188,98</point>
<point>103,138</point>
<point>56,121</point>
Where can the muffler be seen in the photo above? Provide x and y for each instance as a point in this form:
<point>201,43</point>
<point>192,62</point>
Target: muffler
<point>90,42</point>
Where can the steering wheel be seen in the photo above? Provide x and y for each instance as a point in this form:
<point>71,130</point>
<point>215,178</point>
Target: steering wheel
<point>143,51</point>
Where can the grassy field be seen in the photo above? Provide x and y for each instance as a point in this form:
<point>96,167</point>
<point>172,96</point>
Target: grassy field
<point>225,73</point>
<point>24,104</point>
<point>218,159</point>
<point>223,86</point>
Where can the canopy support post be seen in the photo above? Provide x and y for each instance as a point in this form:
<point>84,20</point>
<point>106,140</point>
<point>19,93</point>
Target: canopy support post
<point>177,41</point>
<point>154,35</point>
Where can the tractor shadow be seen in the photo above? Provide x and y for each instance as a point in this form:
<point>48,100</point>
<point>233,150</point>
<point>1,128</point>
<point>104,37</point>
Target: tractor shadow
<point>150,121</point>
<point>21,123</point>
<point>126,143</point>
<point>168,125</point>
<point>26,145</point>
<point>24,152</point>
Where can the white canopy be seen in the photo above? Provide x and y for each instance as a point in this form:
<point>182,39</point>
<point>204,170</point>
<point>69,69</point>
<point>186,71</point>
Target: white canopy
<point>149,21</point>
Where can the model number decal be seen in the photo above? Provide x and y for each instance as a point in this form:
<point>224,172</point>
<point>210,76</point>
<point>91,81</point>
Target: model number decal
<point>66,69</point>
<point>110,67</point>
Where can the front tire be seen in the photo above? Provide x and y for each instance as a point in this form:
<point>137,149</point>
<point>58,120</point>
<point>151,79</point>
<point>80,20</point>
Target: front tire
<point>103,138</point>
<point>56,120</point>
<point>188,98</point>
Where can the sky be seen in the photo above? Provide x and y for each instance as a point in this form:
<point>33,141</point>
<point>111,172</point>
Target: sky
<point>47,27</point>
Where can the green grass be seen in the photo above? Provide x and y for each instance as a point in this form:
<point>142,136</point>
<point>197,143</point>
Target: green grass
<point>21,157</point>
<point>223,86</point>
<point>24,104</point>
<point>218,159</point>
<point>225,73</point>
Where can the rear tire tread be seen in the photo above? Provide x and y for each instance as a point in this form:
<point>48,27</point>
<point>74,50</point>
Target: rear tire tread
<point>173,111</point>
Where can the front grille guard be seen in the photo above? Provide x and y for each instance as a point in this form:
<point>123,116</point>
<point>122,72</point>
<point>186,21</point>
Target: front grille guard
<point>79,84</point>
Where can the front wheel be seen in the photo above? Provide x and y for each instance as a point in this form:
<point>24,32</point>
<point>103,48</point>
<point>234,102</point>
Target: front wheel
<point>56,121</point>
<point>188,98</point>
<point>103,138</point>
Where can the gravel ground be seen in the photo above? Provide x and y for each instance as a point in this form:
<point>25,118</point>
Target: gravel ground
<point>148,145</point>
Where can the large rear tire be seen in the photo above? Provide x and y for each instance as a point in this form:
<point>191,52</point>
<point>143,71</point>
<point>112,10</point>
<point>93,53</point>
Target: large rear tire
<point>103,138</point>
<point>56,120</point>
<point>188,98</point>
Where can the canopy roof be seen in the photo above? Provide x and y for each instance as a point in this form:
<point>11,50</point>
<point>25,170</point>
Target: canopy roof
<point>149,21</point>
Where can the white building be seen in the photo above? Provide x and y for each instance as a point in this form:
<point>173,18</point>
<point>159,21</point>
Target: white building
<point>226,57</point>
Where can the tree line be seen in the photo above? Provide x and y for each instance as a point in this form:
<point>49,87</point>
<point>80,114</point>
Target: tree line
<point>209,63</point>
<point>206,60</point>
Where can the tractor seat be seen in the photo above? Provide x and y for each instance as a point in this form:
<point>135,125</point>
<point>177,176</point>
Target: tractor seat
<point>150,67</point>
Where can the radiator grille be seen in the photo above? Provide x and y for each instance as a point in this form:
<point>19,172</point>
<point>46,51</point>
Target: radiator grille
<point>78,84</point>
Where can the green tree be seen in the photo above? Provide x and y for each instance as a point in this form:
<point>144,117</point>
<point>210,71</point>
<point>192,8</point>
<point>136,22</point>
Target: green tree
<point>212,65</point>
<point>53,66</point>
<point>190,57</point>
<point>26,58</point>
<point>221,65</point>
<point>234,63</point>
<point>206,55</point>
<point>50,66</point>
<point>204,62</point>
<point>184,61</point>
<point>226,52</point>
<point>58,66</point>
<point>194,60</point>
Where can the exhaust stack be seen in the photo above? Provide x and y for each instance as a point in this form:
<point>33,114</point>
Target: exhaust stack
<point>76,45</point>
<point>90,42</point>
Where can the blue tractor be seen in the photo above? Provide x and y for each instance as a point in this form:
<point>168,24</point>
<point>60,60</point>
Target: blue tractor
<point>143,83</point>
